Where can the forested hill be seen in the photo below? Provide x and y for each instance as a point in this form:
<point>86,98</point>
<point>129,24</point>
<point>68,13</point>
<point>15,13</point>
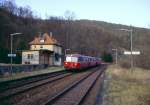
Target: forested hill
<point>87,37</point>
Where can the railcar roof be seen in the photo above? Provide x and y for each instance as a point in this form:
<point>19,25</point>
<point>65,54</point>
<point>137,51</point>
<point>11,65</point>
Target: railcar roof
<point>73,55</point>
<point>77,55</point>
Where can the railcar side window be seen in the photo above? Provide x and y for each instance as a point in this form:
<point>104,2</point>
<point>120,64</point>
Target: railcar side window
<point>80,59</point>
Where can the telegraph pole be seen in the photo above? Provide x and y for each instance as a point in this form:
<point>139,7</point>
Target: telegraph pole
<point>131,45</point>
<point>116,53</point>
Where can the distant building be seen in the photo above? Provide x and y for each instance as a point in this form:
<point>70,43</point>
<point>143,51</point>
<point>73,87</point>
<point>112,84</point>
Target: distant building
<point>43,50</point>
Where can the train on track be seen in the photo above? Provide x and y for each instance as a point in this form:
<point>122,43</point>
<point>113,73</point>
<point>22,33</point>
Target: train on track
<point>78,61</point>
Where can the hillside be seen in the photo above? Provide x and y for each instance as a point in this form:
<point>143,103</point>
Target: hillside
<point>87,37</point>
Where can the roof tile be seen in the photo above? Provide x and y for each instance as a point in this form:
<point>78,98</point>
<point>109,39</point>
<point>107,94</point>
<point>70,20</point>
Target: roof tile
<point>45,39</point>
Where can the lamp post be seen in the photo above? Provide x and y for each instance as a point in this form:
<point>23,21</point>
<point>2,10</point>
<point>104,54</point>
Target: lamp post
<point>116,51</point>
<point>11,45</point>
<point>131,44</point>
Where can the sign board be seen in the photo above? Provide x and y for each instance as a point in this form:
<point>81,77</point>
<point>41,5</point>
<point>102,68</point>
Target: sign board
<point>133,52</point>
<point>11,55</point>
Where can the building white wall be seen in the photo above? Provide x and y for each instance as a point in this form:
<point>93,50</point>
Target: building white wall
<point>39,47</point>
<point>33,60</point>
<point>56,49</point>
<point>38,58</point>
<point>58,63</point>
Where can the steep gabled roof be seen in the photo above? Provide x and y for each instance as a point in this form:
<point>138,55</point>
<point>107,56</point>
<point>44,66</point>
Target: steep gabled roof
<point>44,40</point>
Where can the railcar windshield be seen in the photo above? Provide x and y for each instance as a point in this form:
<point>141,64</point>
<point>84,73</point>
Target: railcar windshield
<point>71,59</point>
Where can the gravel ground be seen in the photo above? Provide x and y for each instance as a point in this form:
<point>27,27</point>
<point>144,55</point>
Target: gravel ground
<point>42,93</point>
<point>75,95</point>
<point>14,76</point>
<point>102,90</point>
<point>28,86</point>
<point>94,97</point>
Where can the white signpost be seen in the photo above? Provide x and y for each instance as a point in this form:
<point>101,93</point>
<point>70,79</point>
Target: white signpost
<point>133,52</point>
<point>11,55</point>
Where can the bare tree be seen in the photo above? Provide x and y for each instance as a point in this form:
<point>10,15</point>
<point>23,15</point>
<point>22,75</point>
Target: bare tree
<point>69,15</point>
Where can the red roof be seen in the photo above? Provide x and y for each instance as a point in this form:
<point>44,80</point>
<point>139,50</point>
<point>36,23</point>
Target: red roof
<point>45,39</point>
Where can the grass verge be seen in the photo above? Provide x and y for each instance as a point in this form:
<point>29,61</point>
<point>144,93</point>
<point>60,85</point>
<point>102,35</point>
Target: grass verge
<point>126,87</point>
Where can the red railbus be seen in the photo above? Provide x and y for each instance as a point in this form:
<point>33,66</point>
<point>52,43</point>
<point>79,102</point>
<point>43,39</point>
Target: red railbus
<point>78,61</point>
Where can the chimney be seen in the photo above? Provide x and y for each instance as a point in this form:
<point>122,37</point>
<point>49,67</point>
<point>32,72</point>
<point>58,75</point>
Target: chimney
<point>40,35</point>
<point>51,34</point>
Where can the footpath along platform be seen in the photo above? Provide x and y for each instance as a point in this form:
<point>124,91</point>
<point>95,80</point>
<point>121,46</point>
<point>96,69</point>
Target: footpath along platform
<point>14,76</point>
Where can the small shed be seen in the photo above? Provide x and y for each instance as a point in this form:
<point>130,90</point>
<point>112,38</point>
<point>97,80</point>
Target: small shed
<point>43,50</point>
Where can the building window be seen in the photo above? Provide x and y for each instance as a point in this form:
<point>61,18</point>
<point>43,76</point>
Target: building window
<point>57,56</point>
<point>41,46</point>
<point>30,56</point>
<point>34,46</point>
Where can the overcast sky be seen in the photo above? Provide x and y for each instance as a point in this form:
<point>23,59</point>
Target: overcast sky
<point>128,12</point>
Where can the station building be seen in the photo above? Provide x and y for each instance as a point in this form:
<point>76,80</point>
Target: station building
<point>43,50</point>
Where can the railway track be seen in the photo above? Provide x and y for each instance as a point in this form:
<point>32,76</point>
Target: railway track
<point>50,90</point>
<point>17,87</point>
<point>76,92</point>
<point>41,94</point>
<point>19,82</point>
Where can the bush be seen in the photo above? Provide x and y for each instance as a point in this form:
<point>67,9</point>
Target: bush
<point>107,57</point>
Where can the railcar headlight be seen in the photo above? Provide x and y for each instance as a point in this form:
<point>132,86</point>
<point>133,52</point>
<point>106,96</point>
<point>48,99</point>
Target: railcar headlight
<point>75,64</point>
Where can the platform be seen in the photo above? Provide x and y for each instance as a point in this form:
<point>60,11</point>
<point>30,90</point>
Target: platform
<point>14,76</point>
